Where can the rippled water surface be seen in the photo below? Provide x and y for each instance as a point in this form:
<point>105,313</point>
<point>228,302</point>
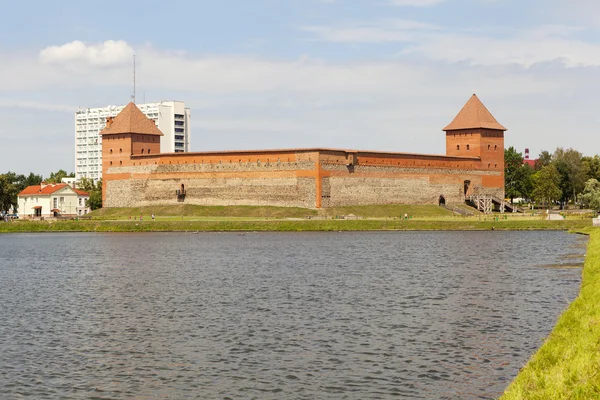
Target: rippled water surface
<point>277,315</point>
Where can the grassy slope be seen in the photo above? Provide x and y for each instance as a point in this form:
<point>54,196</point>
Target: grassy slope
<point>287,225</point>
<point>188,210</point>
<point>567,366</point>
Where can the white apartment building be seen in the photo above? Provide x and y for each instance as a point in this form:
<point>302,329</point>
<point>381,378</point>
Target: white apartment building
<point>171,117</point>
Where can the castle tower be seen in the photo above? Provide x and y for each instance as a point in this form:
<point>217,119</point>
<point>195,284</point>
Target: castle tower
<point>474,132</point>
<point>128,134</point>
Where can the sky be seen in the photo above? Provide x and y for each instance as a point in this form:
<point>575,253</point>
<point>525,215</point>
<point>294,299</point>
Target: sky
<point>362,74</point>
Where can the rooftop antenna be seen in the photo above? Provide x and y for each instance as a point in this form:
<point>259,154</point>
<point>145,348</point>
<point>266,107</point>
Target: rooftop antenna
<point>133,96</point>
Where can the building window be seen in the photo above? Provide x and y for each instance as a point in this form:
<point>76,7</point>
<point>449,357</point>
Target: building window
<point>489,147</point>
<point>111,163</point>
<point>179,130</point>
<point>179,123</point>
<point>178,144</point>
<point>120,150</point>
<point>120,162</point>
<point>495,147</point>
<point>178,137</point>
<point>110,151</point>
<point>179,115</point>
<point>468,147</point>
<point>458,147</point>
<point>62,199</point>
<point>80,201</point>
<point>148,151</point>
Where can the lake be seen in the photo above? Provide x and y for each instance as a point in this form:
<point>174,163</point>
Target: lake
<point>368,315</point>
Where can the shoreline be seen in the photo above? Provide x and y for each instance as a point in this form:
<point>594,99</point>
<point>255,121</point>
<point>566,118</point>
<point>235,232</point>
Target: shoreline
<point>567,365</point>
<point>288,225</point>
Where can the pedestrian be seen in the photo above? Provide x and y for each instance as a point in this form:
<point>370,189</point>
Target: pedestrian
<point>152,216</point>
<point>141,217</point>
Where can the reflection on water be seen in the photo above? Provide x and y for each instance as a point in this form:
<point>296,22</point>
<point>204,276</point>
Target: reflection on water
<point>277,316</point>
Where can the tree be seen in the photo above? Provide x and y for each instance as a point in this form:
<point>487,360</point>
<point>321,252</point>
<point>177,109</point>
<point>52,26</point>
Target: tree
<point>546,185</point>
<point>545,158</point>
<point>56,177</point>
<point>8,191</point>
<point>95,191</point>
<point>591,194</point>
<point>593,166</point>
<point>573,172</point>
<point>517,176</point>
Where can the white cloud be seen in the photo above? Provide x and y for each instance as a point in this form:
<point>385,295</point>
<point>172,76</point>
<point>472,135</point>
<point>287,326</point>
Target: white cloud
<point>414,3</point>
<point>539,44</point>
<point>251,102</point>
<point>108,54</point>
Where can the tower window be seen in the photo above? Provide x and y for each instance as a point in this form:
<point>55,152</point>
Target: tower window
<point>120,150</point>
<point>148,151</point>
<point>110,151</point>
<point>458,147</point>
<point>495,147</point>
<point>468,148</point>
<point>120,162</point>
<point>489,147</point>
<point>142,151</point>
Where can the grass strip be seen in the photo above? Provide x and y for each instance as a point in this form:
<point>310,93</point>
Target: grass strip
<point>288,225</point>
<point>567,366</point>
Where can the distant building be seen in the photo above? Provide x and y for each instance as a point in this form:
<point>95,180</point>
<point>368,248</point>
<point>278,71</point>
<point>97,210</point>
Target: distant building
<point>172,117</point>
<point>527,160</point>
<point>52,200</point>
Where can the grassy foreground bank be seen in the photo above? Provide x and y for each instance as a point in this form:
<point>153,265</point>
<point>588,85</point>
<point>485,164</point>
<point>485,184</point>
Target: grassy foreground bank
<point>283,225</point>
<point>567,366</point>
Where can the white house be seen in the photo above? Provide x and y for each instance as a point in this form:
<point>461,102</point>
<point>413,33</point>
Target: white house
<point>52,200</point>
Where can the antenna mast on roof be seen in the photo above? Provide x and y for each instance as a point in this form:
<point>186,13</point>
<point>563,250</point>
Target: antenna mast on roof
<point>133,96</point>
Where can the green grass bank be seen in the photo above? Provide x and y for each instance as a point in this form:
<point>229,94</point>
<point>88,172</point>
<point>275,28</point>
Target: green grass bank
<point>248,212</point>
<point>285,225</point>
<point>567,366</point>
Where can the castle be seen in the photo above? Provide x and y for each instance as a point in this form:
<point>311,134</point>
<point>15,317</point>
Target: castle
<point>135,172</point>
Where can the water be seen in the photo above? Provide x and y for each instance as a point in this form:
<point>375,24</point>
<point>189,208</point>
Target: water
<point>449,315</point>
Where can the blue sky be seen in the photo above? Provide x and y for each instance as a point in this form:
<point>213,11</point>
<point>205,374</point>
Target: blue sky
<point>381,74</point>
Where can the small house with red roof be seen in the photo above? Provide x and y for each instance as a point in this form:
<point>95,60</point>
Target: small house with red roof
<point>52,200</point>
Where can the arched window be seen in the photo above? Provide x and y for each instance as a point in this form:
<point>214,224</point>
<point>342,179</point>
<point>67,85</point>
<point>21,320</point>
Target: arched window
<point>148,151</point>
<point>495,147</point>
<point>111,163</point>
<point>110,151</point>
<point>468,147</point>
<point>458,147</point>
<point>142,151</point>
<point>120,162</point>
<point>489,147</point>
<point>120,150</point>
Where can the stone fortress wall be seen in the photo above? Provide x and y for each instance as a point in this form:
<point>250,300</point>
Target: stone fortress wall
<point>135,173</point>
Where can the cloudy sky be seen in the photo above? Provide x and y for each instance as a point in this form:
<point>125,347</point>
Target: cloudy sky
<point>364,74</point>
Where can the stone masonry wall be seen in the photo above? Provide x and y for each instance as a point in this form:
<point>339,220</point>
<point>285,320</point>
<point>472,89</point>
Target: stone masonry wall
<point>276,184</point>
<point>390,185</point>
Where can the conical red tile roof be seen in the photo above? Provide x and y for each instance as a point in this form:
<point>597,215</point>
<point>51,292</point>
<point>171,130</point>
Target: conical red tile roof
<point>131,120</point>
<point>474,115</point>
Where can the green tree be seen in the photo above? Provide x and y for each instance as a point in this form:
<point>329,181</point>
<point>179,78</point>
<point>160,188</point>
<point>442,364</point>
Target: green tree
<point>573,173</point>
<point>517,176</point>
<point>8,191</point>
<point>593,166</point>
<point>546,185</point>
<point>56,177</point>
<point>591,194</point>
<point>95,191</point>
<point>545,158</point>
